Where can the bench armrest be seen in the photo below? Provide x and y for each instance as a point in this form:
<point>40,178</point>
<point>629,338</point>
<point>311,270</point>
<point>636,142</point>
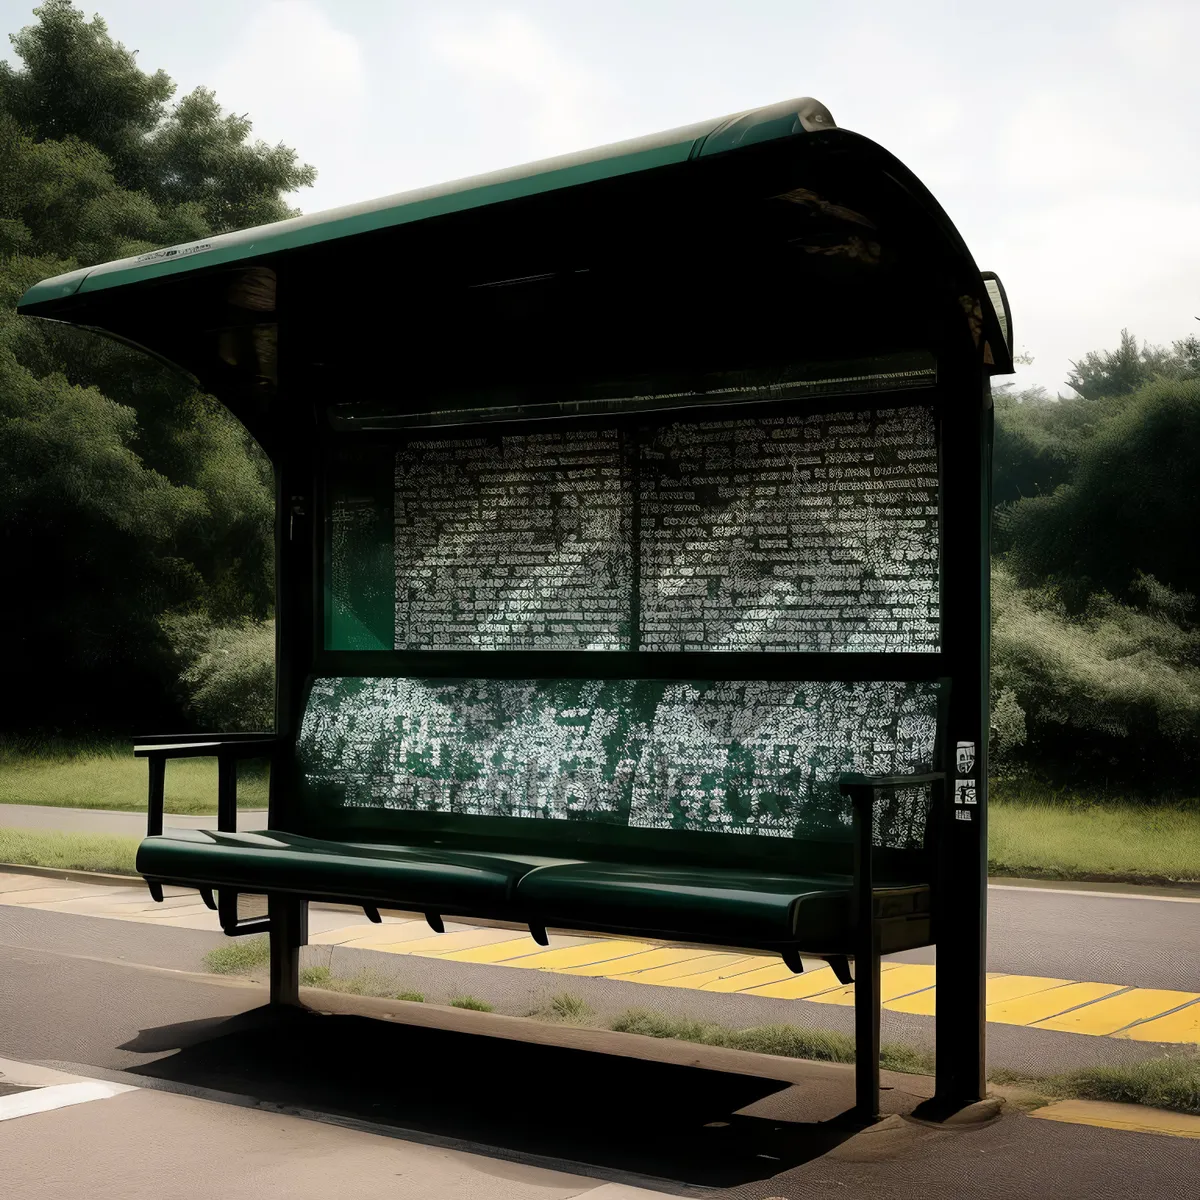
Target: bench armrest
<point>861,790</point>
<point>227,748</point>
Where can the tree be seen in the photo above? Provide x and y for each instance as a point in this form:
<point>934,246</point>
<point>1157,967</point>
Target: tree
<point>1130,505</point>
<point>127,495</point>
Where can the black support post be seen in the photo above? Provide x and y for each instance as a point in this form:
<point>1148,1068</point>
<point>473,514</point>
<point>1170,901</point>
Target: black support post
<point>226,793</point>
<point>866,963</point>
<point>961,888</point>
<point>289,931</point>
<point>158,787</point>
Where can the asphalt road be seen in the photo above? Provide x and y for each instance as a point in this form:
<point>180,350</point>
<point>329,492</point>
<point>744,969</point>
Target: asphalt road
<point>84,940</point>
<point>1132,939</point>
<point>687,1127</point>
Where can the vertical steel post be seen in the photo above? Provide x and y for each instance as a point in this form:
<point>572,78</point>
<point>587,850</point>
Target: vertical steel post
<point>961,916</point>
<point>866,963</point>
<point>289,931</point>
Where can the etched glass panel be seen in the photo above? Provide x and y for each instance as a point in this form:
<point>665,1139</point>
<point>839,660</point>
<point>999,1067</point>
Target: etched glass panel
<point>514,542</point>
<point>815,533</point>
<point>753,757</point>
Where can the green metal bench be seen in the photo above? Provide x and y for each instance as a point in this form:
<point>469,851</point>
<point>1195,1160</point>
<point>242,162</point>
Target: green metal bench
<point>632,552</point>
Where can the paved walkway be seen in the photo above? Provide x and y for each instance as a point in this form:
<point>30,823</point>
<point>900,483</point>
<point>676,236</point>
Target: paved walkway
<point>126,1141</point>
<point>1094,1008</point>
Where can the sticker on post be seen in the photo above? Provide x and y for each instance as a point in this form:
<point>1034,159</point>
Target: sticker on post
<point>964,791</point>
<point>962,814</point>
<point>965,757</point>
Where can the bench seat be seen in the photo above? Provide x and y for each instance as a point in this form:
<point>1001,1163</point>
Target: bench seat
<point>420,878</point>
<point>709,904</point>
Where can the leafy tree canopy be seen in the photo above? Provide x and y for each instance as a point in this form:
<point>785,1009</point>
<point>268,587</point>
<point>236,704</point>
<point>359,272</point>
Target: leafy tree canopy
<point>127,495</point>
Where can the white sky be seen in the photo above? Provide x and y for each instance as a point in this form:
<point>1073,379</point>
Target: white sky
<point>1061,136</point>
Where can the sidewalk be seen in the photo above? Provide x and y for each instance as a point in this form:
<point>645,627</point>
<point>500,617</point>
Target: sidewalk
<point>126,1141</point>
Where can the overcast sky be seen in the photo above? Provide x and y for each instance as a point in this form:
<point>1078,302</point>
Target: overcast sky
<point>1062,136</point>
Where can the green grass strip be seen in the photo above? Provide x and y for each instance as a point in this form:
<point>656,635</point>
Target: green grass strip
<point>69,851</point>
<point>1045,839</point>
<point>1171,1082</point>
<point>786,1041</point>
<point>241,954</point>
<point>105,775</point>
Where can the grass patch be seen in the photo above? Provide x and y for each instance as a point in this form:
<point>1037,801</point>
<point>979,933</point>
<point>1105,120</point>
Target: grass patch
<point>69,851</point>
<point>365,983</point>
<point>242,954</point>
<point>565,1009</point>
<point>471,1002</point>
<point>786,1041</point>
<point>104,774</point>
<point>1171,1082</point>
<point>1070,839</point>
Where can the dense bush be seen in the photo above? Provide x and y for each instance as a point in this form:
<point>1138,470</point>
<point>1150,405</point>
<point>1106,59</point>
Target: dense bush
<point>1111,695</point>
<point>226,672</point>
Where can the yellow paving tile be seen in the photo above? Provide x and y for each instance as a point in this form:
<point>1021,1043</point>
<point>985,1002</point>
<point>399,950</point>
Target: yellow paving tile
<point>799,987</point>
<point>401,933</point>
<point>772,971</point>
<point>497,952</point>
<point>901,979</point>
<point>601,950</point>
<point>1135,1117</point>
<point>436,946</point>
<point>706,964</point>
<point>622,968</point>
<point>1107,1016</point>
<point>1002,988</point>
<point>667,965</point>
<point>699,979</point>
<point>1182,1026</point>
<point>1040,1005</point>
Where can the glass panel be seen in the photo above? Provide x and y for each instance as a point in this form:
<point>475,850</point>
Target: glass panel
<point>360,569</point>
<point>816,532</point>
<point>753,757</point>
<point>515,542</point>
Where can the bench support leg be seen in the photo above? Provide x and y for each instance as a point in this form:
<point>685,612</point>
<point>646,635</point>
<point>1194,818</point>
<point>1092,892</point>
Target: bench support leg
<point>289,931</point>
<point>866,1032</point>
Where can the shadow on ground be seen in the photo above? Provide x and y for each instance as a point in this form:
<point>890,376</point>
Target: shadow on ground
<point>691,1125</point>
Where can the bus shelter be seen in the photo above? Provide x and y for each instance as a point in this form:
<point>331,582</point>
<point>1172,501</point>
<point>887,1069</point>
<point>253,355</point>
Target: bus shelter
<point>632,552</point>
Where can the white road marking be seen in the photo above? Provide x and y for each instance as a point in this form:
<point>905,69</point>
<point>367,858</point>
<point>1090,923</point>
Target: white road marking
<point>24,1104</point>
<point>1012,887</point>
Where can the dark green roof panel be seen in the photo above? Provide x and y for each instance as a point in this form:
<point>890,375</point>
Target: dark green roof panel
<point>786,119</point>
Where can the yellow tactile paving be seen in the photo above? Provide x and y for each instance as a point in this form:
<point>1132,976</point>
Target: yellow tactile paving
<point>577,956</point>
<point>1182,1026</point>
<point>654,957</point>
<point>439,944</point>
<point>698,976</point>
<point>1049,1003</point>
<point>684,970</point>
<point>1137,1118</point>
<point>799,987</point>
<point>1002,988</point>
<point>772,971</point>
<point>899,981</point>
<point>501,952</point>
<point>1107,1016</point>
<point>402,933</point>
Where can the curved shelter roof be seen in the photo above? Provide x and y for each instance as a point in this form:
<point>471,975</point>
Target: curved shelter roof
<point>351,257</point>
